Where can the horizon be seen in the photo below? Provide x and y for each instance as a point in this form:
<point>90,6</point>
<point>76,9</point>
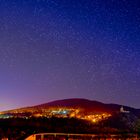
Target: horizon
<point>51,50</point>
<point>26,106</point>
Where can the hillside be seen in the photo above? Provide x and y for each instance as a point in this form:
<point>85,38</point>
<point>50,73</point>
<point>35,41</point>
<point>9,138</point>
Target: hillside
<point>84,104</point>
<point>89,105</point>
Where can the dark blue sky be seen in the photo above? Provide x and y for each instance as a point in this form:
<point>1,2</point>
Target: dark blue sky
<point>55,49</point>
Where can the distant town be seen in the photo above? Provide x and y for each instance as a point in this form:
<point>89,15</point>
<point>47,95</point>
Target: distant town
<point>60,112</point>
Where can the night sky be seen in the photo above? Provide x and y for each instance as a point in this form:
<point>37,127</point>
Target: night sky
<point>57,49</point>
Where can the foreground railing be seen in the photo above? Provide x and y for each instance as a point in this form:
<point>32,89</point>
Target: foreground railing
<point>64,136</point>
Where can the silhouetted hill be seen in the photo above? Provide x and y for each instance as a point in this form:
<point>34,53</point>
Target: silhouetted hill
<point>84,104</point>
<point>89,105</point>
<point>75,103</point>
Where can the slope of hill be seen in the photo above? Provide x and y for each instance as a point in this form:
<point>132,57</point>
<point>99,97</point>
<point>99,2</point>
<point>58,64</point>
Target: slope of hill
<point>89,105</point>
<point>75,103</point>
<point>84,104</point>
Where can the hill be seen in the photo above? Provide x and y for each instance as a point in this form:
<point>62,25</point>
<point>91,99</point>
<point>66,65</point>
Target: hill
<point>88,105</point>
<point>84,104</point>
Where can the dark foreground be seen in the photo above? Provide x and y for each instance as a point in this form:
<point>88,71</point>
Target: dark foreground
<point>21,128</point>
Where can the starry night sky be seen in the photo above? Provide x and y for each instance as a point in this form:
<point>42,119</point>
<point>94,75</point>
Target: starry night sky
<point>56,49</point>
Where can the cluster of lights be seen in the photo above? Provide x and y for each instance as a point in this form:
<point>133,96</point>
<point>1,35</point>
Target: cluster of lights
<point>97,117</point>
<point>59,112</point>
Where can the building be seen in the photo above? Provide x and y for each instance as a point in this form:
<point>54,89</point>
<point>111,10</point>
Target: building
<point>122,110</point>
